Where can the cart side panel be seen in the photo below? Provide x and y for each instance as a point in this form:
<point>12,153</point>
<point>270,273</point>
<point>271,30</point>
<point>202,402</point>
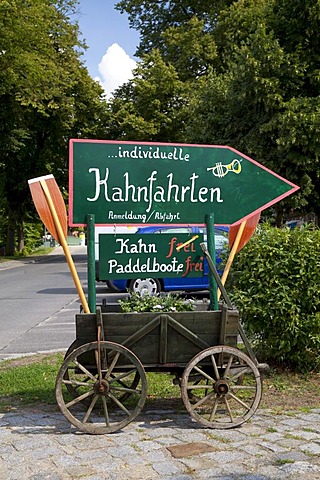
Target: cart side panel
<point>160,339</point>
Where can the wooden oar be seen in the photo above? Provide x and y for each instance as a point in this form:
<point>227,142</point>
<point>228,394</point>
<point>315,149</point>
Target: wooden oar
<point>52,211</point>
<point>249,230</point>
<point>239,235</point>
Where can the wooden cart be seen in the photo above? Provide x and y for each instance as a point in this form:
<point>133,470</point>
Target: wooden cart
<point>102,385</point>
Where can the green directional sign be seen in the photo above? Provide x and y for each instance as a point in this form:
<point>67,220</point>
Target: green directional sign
<point>152,255</point>
<point>154,183</point>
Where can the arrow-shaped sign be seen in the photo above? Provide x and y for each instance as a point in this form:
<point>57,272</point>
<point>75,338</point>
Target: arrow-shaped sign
<point>134,183</point>
<point>52,211</point>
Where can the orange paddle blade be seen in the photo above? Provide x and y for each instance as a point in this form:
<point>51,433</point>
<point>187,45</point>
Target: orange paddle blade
<point>248,231</point>
<point>42,206</point>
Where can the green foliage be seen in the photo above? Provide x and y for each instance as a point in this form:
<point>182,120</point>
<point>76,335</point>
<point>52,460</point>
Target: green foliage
<point>243,73</point>
<point>33,233</point>
<point>155,303</point>
<point>275,284</point>
<point>46,96</point>
<point>150,107</point>
<point>152,19</point>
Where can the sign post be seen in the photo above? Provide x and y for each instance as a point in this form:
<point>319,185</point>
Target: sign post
<point>209,218</point>
<point>91,264</point>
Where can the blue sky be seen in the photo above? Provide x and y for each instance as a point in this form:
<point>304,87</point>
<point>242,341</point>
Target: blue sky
<point>111,43</point>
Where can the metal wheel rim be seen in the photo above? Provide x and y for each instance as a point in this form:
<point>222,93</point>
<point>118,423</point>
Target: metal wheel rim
<point>221,400</point>
<point>114,410</point>
<point>147,286</point>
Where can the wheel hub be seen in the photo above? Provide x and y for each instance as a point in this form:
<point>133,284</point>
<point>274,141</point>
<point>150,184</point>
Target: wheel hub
<point>102,388</point>
<point>221,387</point>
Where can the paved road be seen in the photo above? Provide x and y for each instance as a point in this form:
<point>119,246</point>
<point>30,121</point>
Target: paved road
<point>38,302</point>
<point>41,445</point>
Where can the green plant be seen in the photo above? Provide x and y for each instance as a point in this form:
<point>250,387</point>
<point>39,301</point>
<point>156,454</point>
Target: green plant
<point>155,303</point>
<point>275,284</point>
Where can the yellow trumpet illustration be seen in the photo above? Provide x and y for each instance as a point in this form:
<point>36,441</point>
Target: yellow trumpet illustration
<point>220,170</point>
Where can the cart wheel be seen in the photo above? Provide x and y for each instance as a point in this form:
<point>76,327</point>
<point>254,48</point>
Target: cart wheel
<point>112,381</point>
<point>76,390</point>
<point>211,390</point>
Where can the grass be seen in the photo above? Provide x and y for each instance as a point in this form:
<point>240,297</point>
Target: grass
<point>30,381</point>
<point>39,251</point>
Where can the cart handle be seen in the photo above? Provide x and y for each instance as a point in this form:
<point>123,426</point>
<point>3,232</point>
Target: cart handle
<point>228,301</point>
<point>216,275</point>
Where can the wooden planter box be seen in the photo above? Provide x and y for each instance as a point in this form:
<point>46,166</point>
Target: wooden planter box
<point>162,340</point>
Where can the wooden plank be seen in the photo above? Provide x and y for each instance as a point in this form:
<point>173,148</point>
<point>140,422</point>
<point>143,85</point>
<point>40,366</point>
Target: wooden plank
<point>163,343</point>
<point>188,334</point>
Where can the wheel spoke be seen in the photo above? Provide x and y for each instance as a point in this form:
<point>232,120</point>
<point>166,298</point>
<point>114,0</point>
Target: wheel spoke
<point>84,370</point>
<point>215,368</point>
<point>226,373</point>
<point>197,387</point>
<point>120,405</point>
<point>204,374</point>
<point>113,364</point>
<point>228,408</point>
<point>79,399</point>
<point>239,401</point>
<point>214,409</point>
<point>89,411</point>
<point>203,400</point>
<point>121,376</point>
<point>105,411</point>
<point>76,383</point>
<point>243,387</point>
<point>240,372</point>
<point>126,389</point>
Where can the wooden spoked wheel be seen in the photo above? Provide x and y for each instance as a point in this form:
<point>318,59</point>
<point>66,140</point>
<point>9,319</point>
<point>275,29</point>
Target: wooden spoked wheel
<point>211,390</point>
<point>75,390</point>
<point>110,380</point>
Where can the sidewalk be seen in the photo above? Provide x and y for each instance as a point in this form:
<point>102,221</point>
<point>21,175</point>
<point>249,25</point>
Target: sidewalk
<point>74,250</point>
<point>41,445</point>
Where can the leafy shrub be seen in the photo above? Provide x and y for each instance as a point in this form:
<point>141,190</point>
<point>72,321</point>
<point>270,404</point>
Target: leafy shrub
<point>275,283</point>
<point>155,303</point>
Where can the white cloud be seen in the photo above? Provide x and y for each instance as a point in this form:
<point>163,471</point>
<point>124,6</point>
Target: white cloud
<point>115,68</point>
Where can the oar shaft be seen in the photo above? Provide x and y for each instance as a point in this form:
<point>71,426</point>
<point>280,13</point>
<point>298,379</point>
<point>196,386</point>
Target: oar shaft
<point>231,256</point>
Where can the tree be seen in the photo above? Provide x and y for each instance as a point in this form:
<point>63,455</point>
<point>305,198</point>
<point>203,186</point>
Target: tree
<point>153,18</point>
<point>150,107</point>
<point>250,72</point>
<point>46,95</point>
<point>260,101</point>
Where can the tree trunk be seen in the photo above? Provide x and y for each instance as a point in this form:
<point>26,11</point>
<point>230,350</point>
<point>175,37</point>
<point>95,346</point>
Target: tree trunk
<point>20,234</point>
<point>279,217</point>
<point>11,230</point>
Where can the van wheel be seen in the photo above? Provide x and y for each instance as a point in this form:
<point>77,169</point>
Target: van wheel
<point>111,287</point>
<point>145,286</point>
